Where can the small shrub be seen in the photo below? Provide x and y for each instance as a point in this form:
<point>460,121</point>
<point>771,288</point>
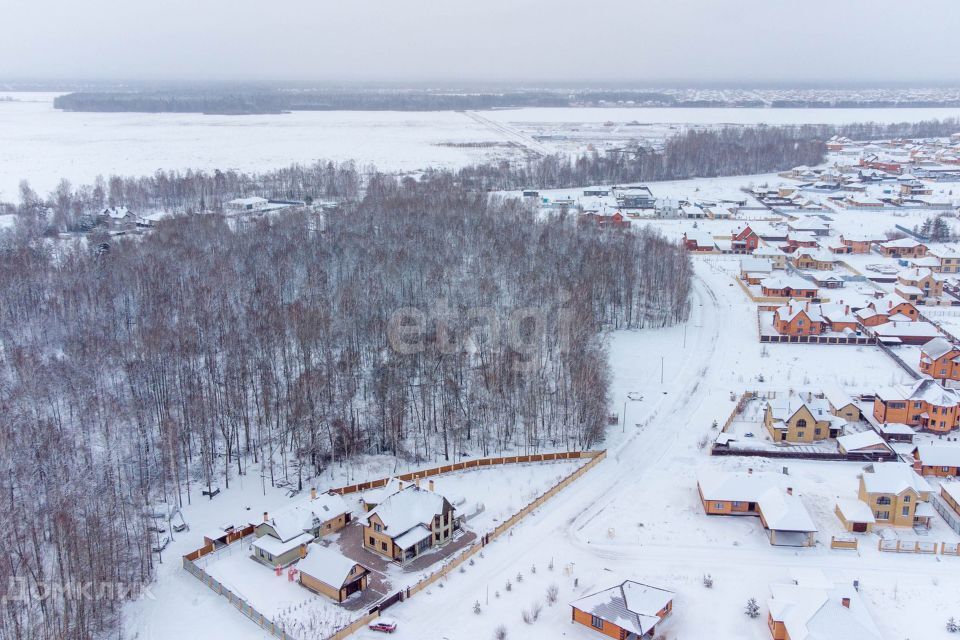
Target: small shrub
<point>752,609</point>
<point>708,581</point>
<point>500,633</point>
<point>519,577</point>
<point>552,592</point>
<point>508,586</point>
<point>476,607</point>
<point>952,625</point>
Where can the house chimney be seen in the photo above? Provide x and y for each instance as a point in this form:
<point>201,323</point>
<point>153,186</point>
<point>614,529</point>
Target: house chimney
<point>845,602</point>
<point>303,551</point>
<point>806,307</point>
<point>266,517</point>
<point>846,310</point>
<point>416,481</point>
<point>399,484</point>
<point>430,485</point>
<point>789,491</point>
<point>313,493</point>
<point>889,304</point>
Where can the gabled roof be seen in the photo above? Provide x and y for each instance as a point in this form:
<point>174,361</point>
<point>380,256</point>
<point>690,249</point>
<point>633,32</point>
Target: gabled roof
<point>294,519</point>
<point>893,477</point>
<point>632,606</point>
<point>864,440</point>
<point>328,566</point>
<point>937,348</point>
<point>791,282</point>
<point>934,455</point>
<point>406,509</point>
<point>793,309</point>
<point>816,612</point>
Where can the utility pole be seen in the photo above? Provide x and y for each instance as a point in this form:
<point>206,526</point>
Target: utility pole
<point>661,369</point>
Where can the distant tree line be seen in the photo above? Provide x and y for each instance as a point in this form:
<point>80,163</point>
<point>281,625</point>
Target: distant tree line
<point>695,153</point>
<point>248,100</point>
<point>142,369</point>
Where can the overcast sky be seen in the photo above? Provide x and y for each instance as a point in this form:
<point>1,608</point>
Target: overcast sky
<point>643,41</point>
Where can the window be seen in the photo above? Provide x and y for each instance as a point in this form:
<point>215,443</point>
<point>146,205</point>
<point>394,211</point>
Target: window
<point>917,405</point>
<point>801,423</point>
<point>800,322</point>
<point>799,434</point>
<point>596,622</point>
<point>817,431</point>
<point>718,505</point>
<point>945,469</point>
<point>882,515</point>
<point>736,504</point>
<point>377,527</point>
<point>883,500</point>
<point>905,511</point>
<point>373,542</point>
<point>906,498</point>
<point>436,537</point>
<point>383,545</point>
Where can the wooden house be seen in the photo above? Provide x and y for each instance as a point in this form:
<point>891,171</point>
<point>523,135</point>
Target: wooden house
<point>903,248</point>
<point>788,287</point>
<point>628,610</point>
<point>926,405</point>
<point>813,608</point>
<point>327,572</point>
<point>941,461</point>
<point>940,359</point>
<point>408,523</point>
<point>782,514</point>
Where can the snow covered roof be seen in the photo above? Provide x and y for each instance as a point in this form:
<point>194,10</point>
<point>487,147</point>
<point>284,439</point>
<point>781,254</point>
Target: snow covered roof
<point>893,477</point>
<point>896,428</point>
<point>292,520</point>
<point>327,566</point>
<point>406,509</point>
<point>784,282</point>
<point>631,605</point>
<point>864,440</point>
<point>412,537</point>
<point>952,489</point>
<point>784,512</point>
<point>812,612</point>
<point>937,455</point>
<point>937,348</point>
<point>755,265</point>
<point>793,308</point>
<point>906,329</point>
<point>276,547</point>
<point>854,510</point>
<point>781,511</point>
<point>252,200</point>
<point>901,243</point>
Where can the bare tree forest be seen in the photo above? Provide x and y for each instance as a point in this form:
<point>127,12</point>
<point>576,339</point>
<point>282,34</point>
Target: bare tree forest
<point>146,368</point>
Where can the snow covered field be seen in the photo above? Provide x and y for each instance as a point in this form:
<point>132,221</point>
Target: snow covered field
<point>43,145</point>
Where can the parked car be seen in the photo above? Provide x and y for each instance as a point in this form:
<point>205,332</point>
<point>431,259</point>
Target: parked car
<point>383,624</point>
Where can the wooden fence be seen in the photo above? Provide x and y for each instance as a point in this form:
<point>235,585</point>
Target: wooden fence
<point>918,546</point>
<point>843,543</point>
<point>476,463</point>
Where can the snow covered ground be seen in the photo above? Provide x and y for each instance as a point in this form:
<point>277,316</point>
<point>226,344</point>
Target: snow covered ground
<point>43,145</point>
<point>637,515</point>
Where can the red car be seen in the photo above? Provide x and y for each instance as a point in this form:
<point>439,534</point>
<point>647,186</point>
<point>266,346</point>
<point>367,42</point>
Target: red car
<point>386,626</point>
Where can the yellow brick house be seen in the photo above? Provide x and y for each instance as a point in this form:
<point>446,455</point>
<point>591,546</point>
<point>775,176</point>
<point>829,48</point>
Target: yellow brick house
<point>801,418</point>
